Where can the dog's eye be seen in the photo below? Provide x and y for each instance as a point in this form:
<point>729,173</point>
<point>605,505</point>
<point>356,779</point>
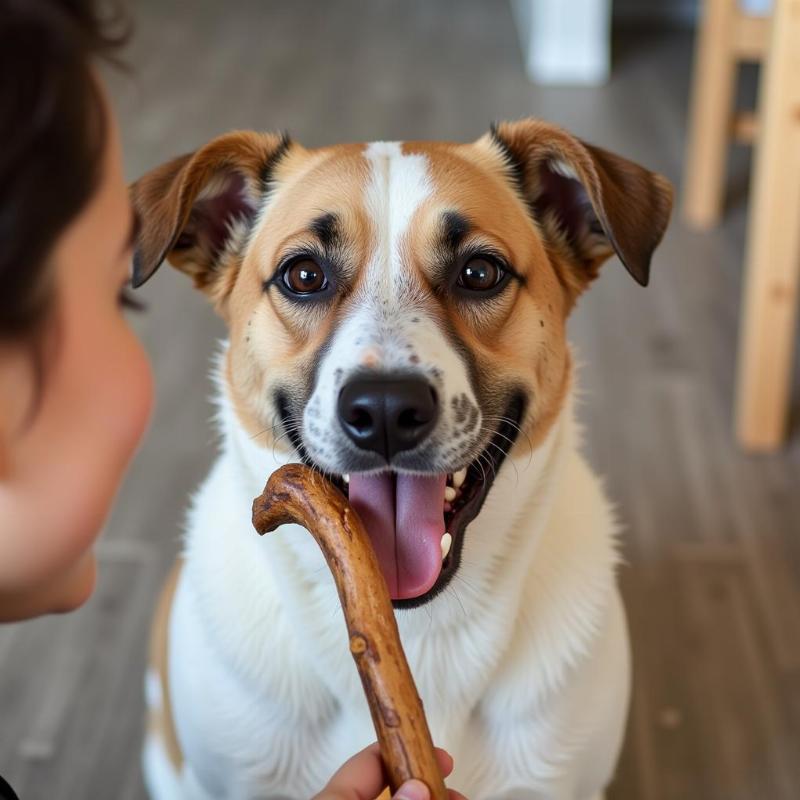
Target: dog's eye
<point>304,277</point>
<point>480,275</point>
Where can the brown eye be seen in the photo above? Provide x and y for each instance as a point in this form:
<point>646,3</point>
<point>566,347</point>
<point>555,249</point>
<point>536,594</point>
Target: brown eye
<point>305,277</point>
<point>480,275</point>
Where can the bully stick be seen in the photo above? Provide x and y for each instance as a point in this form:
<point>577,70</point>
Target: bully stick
<point>295,493</point>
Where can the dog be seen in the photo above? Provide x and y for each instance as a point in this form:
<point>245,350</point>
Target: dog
<point>396,316</point>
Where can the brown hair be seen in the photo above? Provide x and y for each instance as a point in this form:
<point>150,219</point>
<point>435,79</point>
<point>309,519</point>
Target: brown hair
<point>52,137</point>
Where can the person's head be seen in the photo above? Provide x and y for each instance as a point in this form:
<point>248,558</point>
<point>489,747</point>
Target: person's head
<point>75,387</point>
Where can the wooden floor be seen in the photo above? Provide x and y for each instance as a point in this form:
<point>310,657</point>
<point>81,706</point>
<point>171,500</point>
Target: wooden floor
<point>712,581</point>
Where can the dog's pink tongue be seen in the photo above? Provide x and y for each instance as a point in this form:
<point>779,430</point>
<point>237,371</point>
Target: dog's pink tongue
<point>404,516</point>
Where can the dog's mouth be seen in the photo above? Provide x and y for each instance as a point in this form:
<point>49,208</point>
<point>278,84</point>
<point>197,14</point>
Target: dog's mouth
<point>417,522</point>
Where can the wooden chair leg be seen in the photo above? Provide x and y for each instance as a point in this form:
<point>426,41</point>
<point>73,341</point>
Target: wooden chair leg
<point>772,267</point>
<point>711,113</point>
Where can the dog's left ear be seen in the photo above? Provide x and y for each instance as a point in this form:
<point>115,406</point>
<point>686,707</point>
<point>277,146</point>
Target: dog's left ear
<point>589,203</point>
<point>191,208</point>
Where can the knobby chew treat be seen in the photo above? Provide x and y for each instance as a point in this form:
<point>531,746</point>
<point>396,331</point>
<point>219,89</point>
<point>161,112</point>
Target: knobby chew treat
<point>296,493</point>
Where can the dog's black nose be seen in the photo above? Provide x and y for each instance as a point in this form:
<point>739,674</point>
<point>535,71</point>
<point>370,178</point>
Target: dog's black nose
<point>387,414</point>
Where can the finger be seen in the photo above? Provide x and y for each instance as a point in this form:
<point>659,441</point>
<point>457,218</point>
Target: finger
<point>412,790</point>
<point>361,778</point>
<point>445,761</point>
<point>416,790</point>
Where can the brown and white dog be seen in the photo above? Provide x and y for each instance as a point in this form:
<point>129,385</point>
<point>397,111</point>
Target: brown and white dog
<point>397,318</point>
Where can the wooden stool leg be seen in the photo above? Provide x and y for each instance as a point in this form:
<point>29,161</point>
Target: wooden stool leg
<point>711,113</point>
<point>772,266</point>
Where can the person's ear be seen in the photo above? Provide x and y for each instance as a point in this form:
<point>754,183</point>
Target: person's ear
<point>587,202</point>
<point>196,210</point>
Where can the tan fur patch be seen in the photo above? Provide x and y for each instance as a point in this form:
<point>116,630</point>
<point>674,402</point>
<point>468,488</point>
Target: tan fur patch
<point>160,721</point>
<point>273,342</point>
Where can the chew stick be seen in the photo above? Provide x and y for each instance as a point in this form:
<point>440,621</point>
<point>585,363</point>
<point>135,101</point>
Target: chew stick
<point>295,493</point>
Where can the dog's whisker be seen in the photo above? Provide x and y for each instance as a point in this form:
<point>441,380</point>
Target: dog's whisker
<point>504,453</point>
<point>275,423</point>
<point>489,460</point>
<point>511,423</point>
<point>519,429</point>
<point>451,589</point>
<point>473,591</point>
<point>272,428</point>
<point>292,426</point>
<point>484,459</point>
<point>497,433</point>
<point>489,431</point>
<point>478,464</point>
<point>277,441</point>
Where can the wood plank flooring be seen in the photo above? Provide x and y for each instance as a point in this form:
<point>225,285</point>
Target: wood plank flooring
<point>712,539</point>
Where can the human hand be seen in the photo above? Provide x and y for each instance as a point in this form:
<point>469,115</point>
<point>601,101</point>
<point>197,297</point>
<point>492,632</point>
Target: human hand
<point>363,778</point>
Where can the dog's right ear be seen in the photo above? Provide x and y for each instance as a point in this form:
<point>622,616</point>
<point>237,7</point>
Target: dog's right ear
<point>195,209</point>
<point>587,202</point>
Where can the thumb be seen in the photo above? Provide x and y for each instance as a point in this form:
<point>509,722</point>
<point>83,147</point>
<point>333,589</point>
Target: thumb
<point>412,790</point>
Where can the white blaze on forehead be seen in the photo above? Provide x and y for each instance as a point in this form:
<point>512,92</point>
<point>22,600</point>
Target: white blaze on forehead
<point>399,184</point>
<point>385,327</point>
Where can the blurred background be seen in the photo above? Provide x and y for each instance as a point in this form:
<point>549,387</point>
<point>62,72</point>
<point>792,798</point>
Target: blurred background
<point>712,529</point>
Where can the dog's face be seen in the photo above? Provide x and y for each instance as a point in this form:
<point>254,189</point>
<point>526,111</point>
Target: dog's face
<point>397,311</point>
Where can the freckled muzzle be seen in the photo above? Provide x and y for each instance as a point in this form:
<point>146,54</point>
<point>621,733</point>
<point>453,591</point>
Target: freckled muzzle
<point>416,521</point>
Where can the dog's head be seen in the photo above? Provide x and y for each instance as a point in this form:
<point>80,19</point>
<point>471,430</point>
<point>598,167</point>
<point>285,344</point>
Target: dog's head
<point>397,310</point>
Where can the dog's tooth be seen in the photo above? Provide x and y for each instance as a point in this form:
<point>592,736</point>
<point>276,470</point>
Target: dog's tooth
<point>449,494</point>
<point>346,478</point>
<point>459,478</point>
<point>447,541</point>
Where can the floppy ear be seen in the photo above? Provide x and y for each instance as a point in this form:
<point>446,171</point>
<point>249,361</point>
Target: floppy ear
<point>196,209</point>
<point>589,203</point>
